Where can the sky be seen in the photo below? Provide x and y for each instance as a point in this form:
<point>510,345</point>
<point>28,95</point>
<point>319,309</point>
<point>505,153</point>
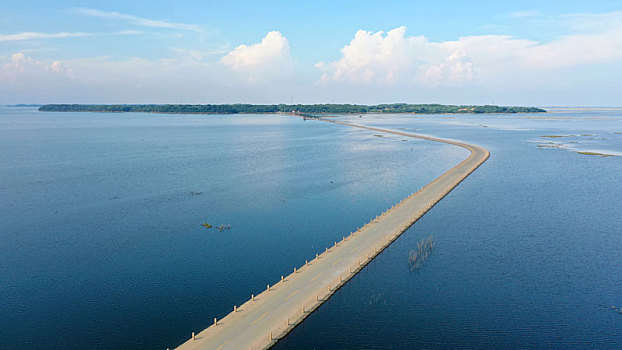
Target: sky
<point>535,53</point>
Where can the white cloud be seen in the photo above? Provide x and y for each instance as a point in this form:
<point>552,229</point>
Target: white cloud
<point>395,58</point>
<point>35,35</point>
<point>139,21</point>
<point>268,59</point>
<point>454,69</point>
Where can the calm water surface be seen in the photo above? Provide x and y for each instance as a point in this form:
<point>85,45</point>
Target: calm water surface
<point>101,243</point>
<point>528,248</point>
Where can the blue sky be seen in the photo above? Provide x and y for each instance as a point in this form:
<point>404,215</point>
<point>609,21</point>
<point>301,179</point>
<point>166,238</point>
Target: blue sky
<point>524,53</point>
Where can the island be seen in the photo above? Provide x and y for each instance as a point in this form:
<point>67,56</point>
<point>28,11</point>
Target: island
<point>284,108</point>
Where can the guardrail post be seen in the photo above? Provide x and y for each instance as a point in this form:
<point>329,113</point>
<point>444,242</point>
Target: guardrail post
<point>193,337</point>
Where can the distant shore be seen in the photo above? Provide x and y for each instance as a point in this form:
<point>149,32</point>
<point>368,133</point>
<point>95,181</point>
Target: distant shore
<point>397,108</point>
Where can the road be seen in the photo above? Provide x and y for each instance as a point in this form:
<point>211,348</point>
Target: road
<point>269,316</point>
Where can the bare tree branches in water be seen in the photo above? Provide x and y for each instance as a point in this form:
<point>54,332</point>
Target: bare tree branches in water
<point>416,258</point>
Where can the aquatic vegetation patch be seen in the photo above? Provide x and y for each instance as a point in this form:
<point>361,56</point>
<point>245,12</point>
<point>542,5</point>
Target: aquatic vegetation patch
<point>223,227</point>
<point>416,258</point>
<point>587,153</point>
<point>616,309</point>
<point>220,228</point>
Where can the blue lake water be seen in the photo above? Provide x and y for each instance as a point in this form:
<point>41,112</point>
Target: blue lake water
<point>101,243</point>
<point>528,248</point>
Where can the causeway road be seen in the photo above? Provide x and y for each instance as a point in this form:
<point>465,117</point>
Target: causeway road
<point>285,302</point>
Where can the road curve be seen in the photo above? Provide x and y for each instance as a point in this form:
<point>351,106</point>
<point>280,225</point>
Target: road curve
<point>270,315</point>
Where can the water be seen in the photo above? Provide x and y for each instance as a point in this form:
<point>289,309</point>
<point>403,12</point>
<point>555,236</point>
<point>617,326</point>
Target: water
<point>528,248</point>
<point>101,243</point>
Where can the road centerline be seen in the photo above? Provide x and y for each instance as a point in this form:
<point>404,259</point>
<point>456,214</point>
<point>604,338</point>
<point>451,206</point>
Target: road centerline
<point>260,317</point>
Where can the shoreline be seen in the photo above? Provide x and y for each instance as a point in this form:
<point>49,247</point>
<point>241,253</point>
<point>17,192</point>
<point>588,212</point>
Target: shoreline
<point>296,109</point>
<point>316,114</point>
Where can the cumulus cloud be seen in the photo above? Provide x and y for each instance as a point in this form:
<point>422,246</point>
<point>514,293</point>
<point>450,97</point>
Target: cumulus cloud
<point>454,69</point>
<point>268,59</point>
<point>395,58</point>
<point>392,58</point>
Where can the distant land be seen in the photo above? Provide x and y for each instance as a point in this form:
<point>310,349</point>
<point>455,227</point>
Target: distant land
<point>283,108</point>
<point>24,105</point>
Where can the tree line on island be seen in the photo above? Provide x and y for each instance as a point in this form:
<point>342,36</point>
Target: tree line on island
<point>283,108</point>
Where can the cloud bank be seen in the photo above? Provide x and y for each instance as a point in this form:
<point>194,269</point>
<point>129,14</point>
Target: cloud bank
<point>395,58</point>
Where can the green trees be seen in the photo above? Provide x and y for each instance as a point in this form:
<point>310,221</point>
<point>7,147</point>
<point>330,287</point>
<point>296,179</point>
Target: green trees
<point>282,108</point>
